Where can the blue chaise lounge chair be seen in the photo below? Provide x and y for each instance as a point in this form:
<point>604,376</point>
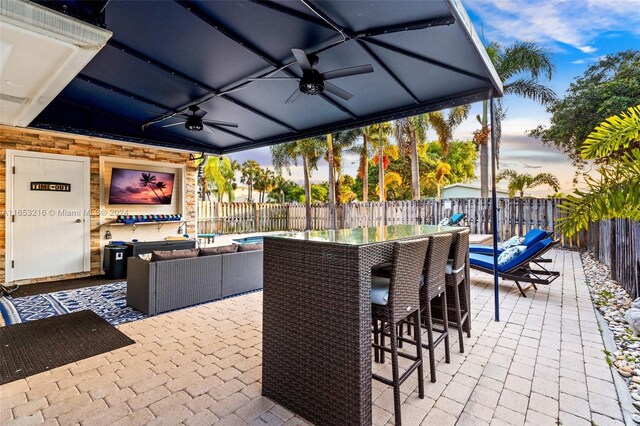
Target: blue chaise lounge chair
<point>525,267</point>
<point>533,236</point>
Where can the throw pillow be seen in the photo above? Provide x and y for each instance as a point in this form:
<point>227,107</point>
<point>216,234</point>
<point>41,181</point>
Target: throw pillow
<point>250,247</point>
<point>512,242</point>
<point>510,254</point>
<point>174,254</point>
<point>145,256</point>
<point>212,251</point>
<point>445,222</point>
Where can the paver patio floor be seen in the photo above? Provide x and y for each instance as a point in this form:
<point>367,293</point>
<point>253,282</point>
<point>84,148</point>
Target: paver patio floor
<point>543,364</point>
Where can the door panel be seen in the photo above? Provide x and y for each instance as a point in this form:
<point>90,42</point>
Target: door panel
<point>48,232</point>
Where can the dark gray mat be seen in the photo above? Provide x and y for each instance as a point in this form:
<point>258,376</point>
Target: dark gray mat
<point>36,346</point>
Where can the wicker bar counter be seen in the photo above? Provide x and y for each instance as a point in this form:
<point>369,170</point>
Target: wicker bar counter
<point>317,318</point>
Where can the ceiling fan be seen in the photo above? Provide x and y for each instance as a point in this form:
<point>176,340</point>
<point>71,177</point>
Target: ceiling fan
<point>194,122</point>
<point>314,82</point>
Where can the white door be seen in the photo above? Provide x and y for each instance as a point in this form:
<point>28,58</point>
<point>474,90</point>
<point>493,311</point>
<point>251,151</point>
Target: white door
<point>50,218</point>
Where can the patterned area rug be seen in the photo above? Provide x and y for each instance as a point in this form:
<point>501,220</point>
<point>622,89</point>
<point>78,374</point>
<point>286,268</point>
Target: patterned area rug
<point>109,301</point>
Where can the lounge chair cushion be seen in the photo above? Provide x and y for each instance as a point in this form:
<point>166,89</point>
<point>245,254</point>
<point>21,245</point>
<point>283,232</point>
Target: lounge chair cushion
<point>530,253</point>
<point>534,236</point>
<point>481,260</point>
<point>456,218</point>
<point>379,290</point>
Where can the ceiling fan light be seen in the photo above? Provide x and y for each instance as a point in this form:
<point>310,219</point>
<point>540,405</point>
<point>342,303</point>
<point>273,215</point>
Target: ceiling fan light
<point>194,124</point>
<point>312,88</point>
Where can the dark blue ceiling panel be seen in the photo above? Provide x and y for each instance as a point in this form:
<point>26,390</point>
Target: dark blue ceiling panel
<point>172,35</point>
<point>165,56</point>
<point>142,79</point>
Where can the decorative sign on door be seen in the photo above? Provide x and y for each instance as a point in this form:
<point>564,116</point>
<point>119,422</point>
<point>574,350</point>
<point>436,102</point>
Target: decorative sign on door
<point>51,186</point>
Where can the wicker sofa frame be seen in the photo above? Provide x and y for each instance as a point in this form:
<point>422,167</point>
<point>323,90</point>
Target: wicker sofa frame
<point>156,287</point>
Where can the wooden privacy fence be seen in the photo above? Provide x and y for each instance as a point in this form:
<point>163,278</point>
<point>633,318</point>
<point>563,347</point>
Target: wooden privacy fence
<point>515,216</point>
<point>614,242</point>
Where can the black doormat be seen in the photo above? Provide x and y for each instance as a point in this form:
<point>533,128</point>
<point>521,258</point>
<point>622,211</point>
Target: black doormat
<point>72,284</point>
<point>36,346</point>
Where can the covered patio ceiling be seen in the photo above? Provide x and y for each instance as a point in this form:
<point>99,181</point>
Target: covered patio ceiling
<point>166,56</point>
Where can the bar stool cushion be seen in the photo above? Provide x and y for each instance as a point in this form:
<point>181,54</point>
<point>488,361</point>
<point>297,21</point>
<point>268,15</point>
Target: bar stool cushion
<point>379,290</point>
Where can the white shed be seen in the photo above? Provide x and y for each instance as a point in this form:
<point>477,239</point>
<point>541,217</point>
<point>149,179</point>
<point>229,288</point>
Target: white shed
<point>462,190</point>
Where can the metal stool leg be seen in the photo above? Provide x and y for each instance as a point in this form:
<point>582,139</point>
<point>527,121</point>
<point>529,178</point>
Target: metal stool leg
<point>395,373</point>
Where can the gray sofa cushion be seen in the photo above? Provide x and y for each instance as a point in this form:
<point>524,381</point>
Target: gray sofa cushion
<point>174,254</point>
<point>212,251</point>
<point>250,247</point>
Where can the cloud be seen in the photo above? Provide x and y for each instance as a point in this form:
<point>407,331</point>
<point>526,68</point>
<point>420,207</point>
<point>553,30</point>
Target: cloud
<point>529,166</point>
<point>555,23</point>
<point>579,61</point>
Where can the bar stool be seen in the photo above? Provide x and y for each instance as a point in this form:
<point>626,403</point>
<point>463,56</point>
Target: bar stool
<point>458,286</point>
<point>435,287</point>
<point>392,301</point>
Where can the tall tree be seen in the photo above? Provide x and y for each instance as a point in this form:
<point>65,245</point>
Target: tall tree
<point>605,89</point>
<point>378,135</point>
<point>519,182</point>
<point>249,171</point>
<point>310,150</point>
<point>219,175</point>
<point>520,67</point>
<point>409,133</point>
<point>363,151</point>
<point>264,183</point>
<point>615,146</point>
<point>332,182</point>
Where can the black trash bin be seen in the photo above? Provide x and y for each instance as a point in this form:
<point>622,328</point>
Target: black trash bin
<point>115,261</point>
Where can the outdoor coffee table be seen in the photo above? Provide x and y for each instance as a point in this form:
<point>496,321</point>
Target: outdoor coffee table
<point>317,318</point>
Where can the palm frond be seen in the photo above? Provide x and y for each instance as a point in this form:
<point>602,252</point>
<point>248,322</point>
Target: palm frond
<point>531,89</point>
<point>525,57</point>
<point>616,133</point>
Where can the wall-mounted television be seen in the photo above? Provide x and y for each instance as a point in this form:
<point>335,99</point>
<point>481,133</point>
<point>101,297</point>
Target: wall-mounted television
<point>140,187</point>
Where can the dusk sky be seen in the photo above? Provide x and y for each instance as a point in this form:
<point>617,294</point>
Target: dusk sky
<point>126,188</point>
<point>576,32</point>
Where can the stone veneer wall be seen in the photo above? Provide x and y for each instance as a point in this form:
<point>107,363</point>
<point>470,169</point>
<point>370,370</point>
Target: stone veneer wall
<point>68,144</point>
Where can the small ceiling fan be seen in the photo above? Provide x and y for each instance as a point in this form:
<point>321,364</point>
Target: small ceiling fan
<point>194,122</point>
<point>314,82</point>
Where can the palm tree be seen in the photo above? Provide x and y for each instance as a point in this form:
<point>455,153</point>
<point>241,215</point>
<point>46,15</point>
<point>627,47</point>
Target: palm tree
<point>249,171</point>
<point>335,144</point>
<point>615,145</point>
<point>392,180</point>
<point>439,176</point>
<point>283,155</point>
<point>511,63</point>
<point>161,186</point>
<point>378,135</point>
<point>148,180</point>
<point>363,169</point>
<point>220,176</point>
<point>444,126</point>
<point>409,133</point>
<point>519,182</point>
<point>264,183</point>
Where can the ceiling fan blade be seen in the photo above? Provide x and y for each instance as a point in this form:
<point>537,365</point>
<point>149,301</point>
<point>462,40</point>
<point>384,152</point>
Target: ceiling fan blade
<point>220,123</point>
<point>335,90</point>
<point>207,126</point>
<point>294,96</point>
<point>173,124</point>
<point>273,78</point>
<point>346,72</point>
<point>302,59</point>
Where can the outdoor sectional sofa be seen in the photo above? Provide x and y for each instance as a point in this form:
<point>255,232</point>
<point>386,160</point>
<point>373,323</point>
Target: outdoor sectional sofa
<point>154,287</point>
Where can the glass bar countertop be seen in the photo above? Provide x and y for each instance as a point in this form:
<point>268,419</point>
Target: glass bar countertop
<point>371,235</point>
